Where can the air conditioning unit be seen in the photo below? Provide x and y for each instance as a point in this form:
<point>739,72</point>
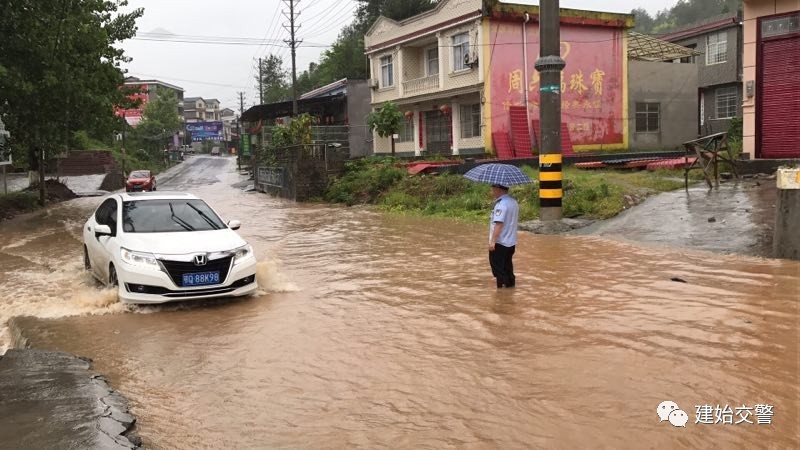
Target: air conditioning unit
<point>471,60</point>
<point>373,83</point>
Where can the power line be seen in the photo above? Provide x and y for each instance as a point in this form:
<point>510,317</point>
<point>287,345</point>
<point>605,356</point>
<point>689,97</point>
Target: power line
<point>270,31</point>
<point>156,35</point>
<point>323,14</point>
<point>188,81</point>
<point>221,42</point>
<point>335,21</point>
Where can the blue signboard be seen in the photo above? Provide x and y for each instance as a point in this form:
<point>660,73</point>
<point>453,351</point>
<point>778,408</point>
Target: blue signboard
<point>205,131</point>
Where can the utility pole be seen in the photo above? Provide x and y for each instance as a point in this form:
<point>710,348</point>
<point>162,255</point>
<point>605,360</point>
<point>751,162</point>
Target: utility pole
<point>124,125</point>
<point>550,66</point>
<point>260,83</point>
<point>239,130</point>
<point>293,43</point>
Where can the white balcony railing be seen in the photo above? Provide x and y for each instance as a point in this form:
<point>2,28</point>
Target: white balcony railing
<point>421,84</point>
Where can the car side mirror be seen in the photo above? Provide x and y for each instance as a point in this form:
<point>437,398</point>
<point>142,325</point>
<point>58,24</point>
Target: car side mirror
<point>234,224</point>
<point>102,230</point>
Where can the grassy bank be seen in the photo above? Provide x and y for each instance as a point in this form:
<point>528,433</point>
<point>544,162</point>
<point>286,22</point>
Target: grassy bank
<point>15,203</point>
<point>597,194</point>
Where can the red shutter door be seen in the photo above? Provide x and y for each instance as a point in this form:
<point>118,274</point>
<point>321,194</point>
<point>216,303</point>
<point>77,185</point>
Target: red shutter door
<point>780,98</point>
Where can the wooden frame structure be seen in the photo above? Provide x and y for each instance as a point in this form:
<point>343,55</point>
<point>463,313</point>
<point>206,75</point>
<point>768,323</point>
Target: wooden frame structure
<point>709,150</point>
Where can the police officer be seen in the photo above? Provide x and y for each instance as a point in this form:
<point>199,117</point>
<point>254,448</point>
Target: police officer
<point>503,236</point>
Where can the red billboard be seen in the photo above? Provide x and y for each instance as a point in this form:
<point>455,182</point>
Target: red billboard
<point>134,116</point>
<point>593,83</point>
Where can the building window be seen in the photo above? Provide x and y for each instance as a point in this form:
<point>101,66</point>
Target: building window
<point>727,102</point>
<point>406,130</point>
<point>432,61</point>
<point>460,51</point>
<point>717,48</point>
<point>387,72</point>
<point>470,120</point>
<point>648,117</point>
<point>689,59</point>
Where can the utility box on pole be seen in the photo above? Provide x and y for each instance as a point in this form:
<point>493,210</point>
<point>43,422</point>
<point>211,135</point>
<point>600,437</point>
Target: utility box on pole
<point>550,64</point>
<point>786,242</point>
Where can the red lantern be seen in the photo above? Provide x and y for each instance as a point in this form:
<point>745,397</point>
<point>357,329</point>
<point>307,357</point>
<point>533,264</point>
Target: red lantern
<point>445,109</point>
<point>409,114</point>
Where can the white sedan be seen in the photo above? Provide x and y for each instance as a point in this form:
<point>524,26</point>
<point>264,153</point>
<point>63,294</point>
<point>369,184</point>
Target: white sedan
<point>160,247</point>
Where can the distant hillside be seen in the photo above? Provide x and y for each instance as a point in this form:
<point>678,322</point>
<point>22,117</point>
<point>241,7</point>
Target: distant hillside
<point>684,12</point>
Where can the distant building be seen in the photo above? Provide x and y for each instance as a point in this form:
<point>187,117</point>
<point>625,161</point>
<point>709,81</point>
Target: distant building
<point>342,106</point>
<point>771,81</point>
<point>228,117</point>
<point>212,110</point>
<point>719,42</point>
<point>198,109</point>
<point>147,90</point>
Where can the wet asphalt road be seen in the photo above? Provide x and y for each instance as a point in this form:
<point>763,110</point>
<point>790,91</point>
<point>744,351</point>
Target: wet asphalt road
<point>376,331</point>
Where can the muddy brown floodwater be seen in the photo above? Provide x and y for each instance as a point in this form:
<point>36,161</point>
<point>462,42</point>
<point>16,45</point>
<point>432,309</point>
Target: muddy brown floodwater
<point>375,330</point>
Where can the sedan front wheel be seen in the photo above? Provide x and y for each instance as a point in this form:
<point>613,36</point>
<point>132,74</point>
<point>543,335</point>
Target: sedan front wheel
<point>87,263</point>
<point>112,276</point>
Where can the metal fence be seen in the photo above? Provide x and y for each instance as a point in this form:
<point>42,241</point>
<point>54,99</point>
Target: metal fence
<point>299,172</point>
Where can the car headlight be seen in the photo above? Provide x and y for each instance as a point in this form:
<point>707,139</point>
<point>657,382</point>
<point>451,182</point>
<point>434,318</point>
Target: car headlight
<point>140,259</point>
<point>242,253</point>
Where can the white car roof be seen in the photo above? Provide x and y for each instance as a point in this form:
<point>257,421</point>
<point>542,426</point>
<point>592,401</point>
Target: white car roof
<point>132,196</point>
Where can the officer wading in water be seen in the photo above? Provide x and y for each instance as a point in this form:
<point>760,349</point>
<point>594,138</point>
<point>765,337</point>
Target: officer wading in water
<point>503,236</point>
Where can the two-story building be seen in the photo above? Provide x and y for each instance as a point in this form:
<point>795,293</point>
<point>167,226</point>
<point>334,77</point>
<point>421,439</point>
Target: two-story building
<point>463,75</point>
<point>198,109</point>
<point>719,69</point>
<point>429,65</point>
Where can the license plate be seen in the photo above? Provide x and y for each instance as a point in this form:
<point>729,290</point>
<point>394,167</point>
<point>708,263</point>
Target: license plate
<point>200,279</point>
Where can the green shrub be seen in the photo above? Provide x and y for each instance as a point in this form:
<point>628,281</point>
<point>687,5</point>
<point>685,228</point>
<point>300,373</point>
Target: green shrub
<point>363,183</point>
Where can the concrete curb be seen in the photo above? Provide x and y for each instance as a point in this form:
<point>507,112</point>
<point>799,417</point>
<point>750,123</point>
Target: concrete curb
<point>52,399</point>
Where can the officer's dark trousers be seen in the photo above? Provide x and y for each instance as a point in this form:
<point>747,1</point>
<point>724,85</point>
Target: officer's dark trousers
<point>502,266</point>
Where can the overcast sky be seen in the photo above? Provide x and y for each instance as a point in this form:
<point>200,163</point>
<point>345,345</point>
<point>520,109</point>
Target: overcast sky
<point>212,70</point>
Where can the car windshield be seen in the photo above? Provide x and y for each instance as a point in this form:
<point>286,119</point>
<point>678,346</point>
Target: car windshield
<point>140,174</point>
<point>168,216</point>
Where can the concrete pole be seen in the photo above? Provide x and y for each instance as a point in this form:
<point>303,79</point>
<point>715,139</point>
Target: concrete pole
<point>786,242</point>
<point>549,66</point>
<point>260,83</point>
<point>124,126</point>
<point>293,43</point>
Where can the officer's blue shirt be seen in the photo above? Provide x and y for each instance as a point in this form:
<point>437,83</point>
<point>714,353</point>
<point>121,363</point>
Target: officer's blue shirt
<point>506,211</point>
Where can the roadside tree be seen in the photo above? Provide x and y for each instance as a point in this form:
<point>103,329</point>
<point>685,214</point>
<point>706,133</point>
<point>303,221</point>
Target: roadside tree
<point>60,72</point>
<point>386,121</point>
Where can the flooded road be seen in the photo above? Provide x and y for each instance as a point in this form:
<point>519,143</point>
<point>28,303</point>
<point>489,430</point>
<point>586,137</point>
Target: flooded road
<point>375,330</point>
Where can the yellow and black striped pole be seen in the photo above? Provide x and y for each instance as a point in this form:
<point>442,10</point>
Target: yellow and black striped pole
<point>550,186</point>
<point>550,66</point>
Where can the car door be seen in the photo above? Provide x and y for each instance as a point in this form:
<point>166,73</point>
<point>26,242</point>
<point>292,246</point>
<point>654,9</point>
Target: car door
<point>108,244</point>
<point>91,241</point>
<point>102,245</point>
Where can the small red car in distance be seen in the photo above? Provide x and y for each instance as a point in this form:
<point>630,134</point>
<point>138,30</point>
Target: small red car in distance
<point>140,180</point>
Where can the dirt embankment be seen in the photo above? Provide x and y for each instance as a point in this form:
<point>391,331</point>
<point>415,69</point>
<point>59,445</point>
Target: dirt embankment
<point>17,203</point>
